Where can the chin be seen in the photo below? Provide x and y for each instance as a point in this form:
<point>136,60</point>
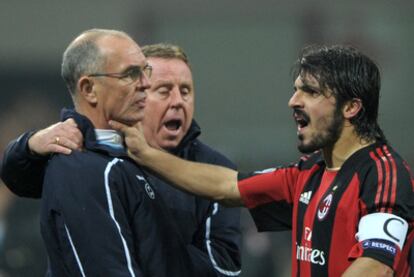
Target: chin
<point>169,145</point>
<point>306,148</point>
<point>129,123</point>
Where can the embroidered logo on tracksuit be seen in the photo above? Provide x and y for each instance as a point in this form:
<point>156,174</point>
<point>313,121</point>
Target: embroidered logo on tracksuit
<point>148,188</point>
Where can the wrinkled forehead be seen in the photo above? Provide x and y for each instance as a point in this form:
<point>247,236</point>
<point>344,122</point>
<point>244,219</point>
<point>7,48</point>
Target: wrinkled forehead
<point>120,51</point>
<point>170,67</point>
<point>305,78</point>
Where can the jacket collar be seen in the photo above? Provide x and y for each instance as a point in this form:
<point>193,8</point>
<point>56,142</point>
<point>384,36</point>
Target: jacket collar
<point>88,131</point>
<point>193,132</point>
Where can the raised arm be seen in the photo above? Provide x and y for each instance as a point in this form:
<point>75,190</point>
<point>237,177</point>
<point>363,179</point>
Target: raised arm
<point>214,182</point>
<point>25,158</point>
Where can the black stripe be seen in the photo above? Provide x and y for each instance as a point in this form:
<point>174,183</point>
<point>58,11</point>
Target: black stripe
<point>323,230</point>
<point>312,185</point>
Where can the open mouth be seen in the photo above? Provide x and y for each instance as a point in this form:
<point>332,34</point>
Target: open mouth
<point>173,125</point>
<point>302,120</point>
<point>302,123</point>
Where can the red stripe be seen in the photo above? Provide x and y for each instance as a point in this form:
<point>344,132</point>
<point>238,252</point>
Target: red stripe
<point>341,245</point>
<point>394,179</point>
<point>387,180</point>
<point>380,177</point>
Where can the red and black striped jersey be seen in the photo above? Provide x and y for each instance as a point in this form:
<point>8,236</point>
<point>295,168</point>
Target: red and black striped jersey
<point>323,208</point>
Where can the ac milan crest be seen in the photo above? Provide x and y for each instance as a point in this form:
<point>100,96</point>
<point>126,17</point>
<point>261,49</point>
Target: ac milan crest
<point>324,206</point>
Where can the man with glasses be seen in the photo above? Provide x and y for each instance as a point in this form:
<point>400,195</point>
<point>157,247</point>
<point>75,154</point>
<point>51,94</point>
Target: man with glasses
<point>100,215</point>
<point>211,232</point>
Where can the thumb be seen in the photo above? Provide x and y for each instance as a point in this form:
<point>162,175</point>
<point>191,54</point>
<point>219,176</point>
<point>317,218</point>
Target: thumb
<point>118,126</point>
<point>138,126</point>
<point>71,122</point>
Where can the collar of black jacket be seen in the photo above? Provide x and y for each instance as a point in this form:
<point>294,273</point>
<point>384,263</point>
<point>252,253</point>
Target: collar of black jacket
<point>88,131</point>
<point>193,132</point>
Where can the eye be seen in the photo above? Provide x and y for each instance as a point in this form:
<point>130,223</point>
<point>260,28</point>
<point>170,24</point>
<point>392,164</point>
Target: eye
<point>313,92</point>
<point>163,92</point>
<point>185,91</point>
<point>133,73</point>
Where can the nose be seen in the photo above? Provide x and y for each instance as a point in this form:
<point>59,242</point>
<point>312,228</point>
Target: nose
<point>176,97</point>
<point>295,100</point>
<point>144,83</point>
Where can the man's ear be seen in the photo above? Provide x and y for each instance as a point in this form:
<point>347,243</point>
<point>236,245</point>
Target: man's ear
<point>86,88</point>
<point>352,108</point>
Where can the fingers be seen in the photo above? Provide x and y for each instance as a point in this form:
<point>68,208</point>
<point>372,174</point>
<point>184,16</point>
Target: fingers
<point>62,137</point>
<point>71,122</point>
<point>134,138</point>
<point>54,148</point>
<point>72,136</point>
<point>65,142</point>
<point>118,126</point>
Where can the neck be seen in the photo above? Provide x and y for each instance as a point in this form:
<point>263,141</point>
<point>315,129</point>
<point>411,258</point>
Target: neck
<point>97,118</point>
<point>347,144</point>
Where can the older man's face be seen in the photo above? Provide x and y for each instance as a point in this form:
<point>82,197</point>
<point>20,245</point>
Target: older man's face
<point>169,104</point>
<point>121,99</point>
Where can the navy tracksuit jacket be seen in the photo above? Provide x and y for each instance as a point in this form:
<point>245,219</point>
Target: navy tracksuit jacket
<point>107,204</point>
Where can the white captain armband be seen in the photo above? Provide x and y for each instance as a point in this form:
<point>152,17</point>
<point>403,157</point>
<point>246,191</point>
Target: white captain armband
<point>382,226</point>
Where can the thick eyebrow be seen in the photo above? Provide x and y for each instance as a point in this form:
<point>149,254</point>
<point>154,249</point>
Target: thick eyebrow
<point>307,87</point>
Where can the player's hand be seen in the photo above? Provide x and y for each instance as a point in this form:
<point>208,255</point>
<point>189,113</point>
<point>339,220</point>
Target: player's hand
<point>134,139</point>
<point>62,137</point>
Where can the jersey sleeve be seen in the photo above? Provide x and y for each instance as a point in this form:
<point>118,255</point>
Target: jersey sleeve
<point>269,196</point>
<point>83,211</point>
<point>385,230</point>
<point>22,171</point>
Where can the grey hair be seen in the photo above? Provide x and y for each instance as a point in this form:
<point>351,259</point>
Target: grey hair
<point>83,56</point>
<point>165,51</point>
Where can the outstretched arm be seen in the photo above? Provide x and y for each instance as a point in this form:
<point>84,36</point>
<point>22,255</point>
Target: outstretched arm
<point>214,182</point>
<point>365,266</point>
<point>25,158</point>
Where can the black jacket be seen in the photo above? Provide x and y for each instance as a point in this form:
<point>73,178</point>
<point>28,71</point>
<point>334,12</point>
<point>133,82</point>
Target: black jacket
<point>210,232</point>
<point>100,216</point>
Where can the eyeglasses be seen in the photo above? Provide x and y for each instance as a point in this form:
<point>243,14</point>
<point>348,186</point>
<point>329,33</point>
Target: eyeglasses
<point>130,76</point>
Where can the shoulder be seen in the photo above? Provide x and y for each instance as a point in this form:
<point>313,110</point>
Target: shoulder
<point>83,175</point>
<point>306,162</point>
<point>78,160</point>
<point>81,166</point>
<point>386,182</point>
<point>382,161</point>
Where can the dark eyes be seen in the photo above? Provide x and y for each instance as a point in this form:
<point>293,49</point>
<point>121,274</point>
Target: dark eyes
<point>312,92</point>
